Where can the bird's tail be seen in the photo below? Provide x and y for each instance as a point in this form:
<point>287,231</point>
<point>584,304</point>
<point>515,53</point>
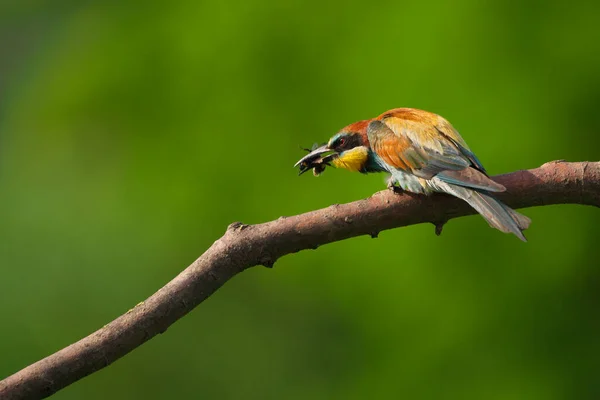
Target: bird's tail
<point>496,213</point>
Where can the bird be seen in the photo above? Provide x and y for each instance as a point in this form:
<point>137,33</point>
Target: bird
<point>423,154</point>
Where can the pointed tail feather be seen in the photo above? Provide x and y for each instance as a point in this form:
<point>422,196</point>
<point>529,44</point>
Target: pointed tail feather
<point>522,221</point>
<point>496,213</point>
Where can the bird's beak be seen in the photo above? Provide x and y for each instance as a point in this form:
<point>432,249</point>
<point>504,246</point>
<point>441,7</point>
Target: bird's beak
<point>315,159</point>
<point>313,155</point>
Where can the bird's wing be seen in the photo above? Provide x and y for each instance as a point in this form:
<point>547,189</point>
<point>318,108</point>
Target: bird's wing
<point>446,130</point>
<point>427,146</point>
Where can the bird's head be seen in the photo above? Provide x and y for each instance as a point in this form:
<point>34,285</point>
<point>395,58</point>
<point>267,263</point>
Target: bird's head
<point>348,149</point>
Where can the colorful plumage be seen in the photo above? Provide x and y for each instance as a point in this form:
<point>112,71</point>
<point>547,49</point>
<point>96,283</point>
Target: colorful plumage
<point>423,153</point>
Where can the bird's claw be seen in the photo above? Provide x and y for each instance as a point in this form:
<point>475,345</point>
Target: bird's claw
<point>392,186</point>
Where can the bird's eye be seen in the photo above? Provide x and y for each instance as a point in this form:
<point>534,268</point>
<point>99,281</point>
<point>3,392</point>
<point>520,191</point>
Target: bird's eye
<point>342,142</point>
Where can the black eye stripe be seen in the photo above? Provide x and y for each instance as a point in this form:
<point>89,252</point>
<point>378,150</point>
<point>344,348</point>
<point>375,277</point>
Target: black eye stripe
<point>348,142</point>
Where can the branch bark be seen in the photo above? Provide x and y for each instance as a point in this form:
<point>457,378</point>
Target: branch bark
<point>244,246</point>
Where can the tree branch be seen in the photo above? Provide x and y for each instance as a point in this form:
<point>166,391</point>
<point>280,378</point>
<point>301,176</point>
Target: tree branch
<point>244,246</point>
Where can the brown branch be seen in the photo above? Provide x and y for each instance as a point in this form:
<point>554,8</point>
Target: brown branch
<point>244,246</point>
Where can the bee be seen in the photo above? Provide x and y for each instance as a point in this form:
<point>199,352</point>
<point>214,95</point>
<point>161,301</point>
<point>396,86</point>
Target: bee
<point>315,161</point>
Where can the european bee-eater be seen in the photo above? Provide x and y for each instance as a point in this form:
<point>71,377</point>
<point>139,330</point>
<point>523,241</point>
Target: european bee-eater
<point>423,153</point>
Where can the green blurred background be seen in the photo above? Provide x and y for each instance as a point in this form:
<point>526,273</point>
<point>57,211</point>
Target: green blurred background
<point>132,134</point>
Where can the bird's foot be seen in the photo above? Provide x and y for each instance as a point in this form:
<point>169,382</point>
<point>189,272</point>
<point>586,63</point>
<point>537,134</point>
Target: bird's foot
<point>391,185</point>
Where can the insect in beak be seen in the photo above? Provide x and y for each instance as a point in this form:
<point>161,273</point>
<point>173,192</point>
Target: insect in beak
<point>314,160</point>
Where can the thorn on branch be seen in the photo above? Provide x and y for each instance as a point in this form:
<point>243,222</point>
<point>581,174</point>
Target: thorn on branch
<point>374,235</point>
<point>439,226</point>
<point>236,226</point>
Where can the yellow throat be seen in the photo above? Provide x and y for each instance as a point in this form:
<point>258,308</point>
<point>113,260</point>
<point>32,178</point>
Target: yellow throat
<point>352,160</point>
